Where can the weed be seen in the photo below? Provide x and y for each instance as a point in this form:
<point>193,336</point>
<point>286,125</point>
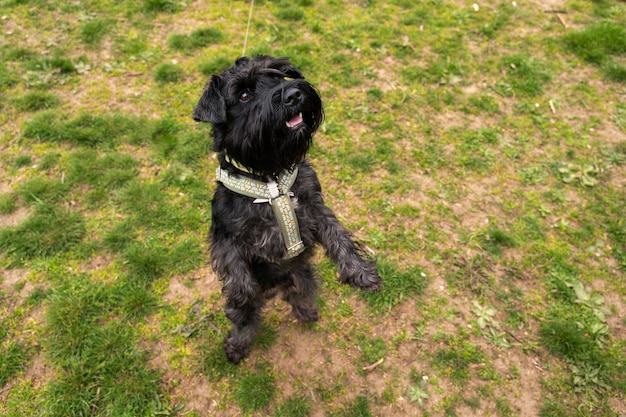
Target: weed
<point>419,391</point>
<point>567,339</point>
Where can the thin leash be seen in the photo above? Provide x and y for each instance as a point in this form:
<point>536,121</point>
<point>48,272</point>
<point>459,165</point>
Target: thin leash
<point>245,41</point>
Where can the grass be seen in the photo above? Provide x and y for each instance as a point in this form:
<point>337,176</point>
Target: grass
<point>478,156</point>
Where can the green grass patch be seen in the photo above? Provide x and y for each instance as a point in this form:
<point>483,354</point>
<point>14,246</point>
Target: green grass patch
<point>168,73</point>
<point>525,76</point>
<point>439,117</point>
<point>92,32</point>
<point>456,357</point>
<point>359,407</point>
<point>197,39</point>
<point>255,390</point>
<point>42,190</point>
<point>50,230</point>
<point>397,286</point>
<point>214,66</point>
<point>13,360</point>
<point>598,44</point>
<point>7,203</point>
<point>294,406</point>
<point>22,161</point>
<point>35,101</point>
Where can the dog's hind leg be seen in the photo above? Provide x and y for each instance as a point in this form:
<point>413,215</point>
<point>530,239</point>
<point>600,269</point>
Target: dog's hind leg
<point>244,299</point>
<point>246,321</point>
<point>301,295</point>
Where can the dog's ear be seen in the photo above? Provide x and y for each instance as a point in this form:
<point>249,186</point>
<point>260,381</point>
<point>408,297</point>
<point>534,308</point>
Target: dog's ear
<point>211,106</point>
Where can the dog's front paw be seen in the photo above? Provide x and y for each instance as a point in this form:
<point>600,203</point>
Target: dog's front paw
<point>366,279</point>
<point>306,314</point>
<point>235,352</point>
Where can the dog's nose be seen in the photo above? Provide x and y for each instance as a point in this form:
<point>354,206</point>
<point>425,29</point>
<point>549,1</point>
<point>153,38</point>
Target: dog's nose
<point>292,97</point>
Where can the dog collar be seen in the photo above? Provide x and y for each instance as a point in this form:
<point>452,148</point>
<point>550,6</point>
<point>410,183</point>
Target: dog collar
<point>277,194</point>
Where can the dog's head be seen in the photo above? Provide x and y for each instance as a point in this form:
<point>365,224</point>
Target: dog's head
<point>263,113</point>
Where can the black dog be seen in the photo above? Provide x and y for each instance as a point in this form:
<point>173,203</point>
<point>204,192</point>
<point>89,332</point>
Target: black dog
<point>268,211</point>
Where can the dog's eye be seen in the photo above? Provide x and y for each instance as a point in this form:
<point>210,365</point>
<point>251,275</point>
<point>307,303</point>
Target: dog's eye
<point>245,96</point>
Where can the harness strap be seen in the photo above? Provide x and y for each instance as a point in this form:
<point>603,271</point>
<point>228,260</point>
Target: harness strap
<point>277,194</point>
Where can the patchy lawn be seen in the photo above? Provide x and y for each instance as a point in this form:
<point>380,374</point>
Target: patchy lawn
<point>477,150</point>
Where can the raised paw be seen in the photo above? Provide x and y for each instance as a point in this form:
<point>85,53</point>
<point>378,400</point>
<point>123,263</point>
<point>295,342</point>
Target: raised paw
<point>366,279</point>
<point>234,352</point>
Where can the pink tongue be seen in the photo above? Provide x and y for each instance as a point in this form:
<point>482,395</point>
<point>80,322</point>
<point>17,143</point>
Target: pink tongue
<point>297,119</point>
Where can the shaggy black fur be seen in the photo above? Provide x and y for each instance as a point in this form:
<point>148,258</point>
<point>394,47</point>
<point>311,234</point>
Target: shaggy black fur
<point>254,108</point>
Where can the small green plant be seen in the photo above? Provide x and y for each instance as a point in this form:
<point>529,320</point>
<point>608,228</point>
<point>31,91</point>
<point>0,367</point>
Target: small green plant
<point>418,392</point>
<point>372,349</point>
<point>585,175</point>
<point>567,339</point>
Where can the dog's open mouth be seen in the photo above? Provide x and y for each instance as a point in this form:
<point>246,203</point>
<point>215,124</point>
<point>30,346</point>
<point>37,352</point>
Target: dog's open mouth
<point>295,121</point>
